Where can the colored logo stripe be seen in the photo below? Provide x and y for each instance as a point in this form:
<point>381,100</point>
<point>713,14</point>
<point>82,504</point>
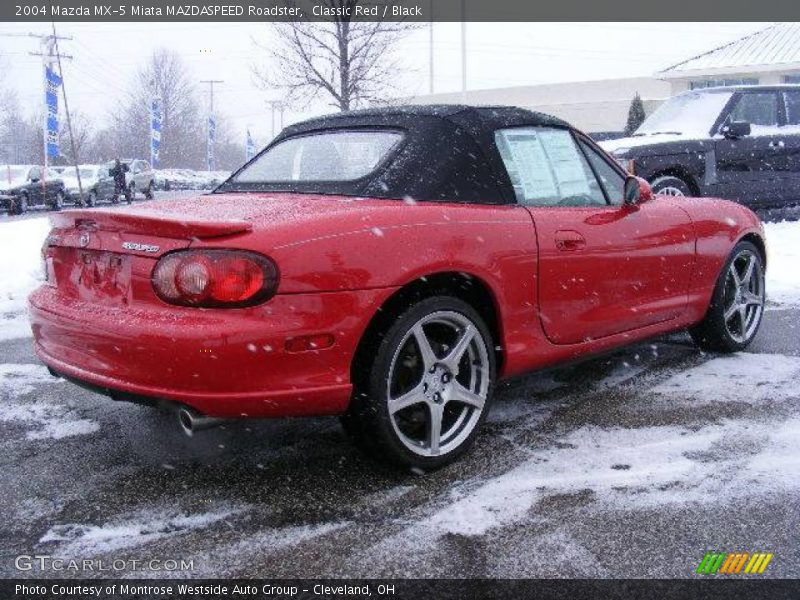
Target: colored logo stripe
<point>731,563</point>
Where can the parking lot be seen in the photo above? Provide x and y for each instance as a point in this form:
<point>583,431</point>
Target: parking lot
<point>633,464</point>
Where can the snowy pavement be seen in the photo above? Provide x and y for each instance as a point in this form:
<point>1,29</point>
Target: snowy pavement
<point>630,465</point>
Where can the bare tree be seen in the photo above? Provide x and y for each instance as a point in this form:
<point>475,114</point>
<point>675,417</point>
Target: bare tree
<point>348,63</point>
<point>182,130</point>
<point>82,129</point>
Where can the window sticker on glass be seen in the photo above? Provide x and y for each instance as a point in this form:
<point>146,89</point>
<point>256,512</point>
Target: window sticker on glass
<point>566,162</point>
<point>533,173</point>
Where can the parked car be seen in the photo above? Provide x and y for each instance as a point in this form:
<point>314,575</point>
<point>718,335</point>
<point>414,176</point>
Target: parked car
<point>741,143</point>
<point>97,184</point>
<point>24,186</point>
<point>140,177</point>
<point>389,266</point>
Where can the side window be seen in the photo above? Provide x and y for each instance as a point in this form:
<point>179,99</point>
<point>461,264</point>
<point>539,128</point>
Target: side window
<point>760,109</point>
<point>792,100</point>
<point>547,168</point>
<point>613,182</point>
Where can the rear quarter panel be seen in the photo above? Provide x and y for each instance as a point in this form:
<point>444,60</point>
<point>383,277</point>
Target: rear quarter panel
<point>388,244</point>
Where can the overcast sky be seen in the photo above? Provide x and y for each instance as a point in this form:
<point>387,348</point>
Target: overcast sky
<point>106,57</point>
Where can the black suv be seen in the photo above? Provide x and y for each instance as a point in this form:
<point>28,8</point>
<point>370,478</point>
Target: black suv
<point>22,186</point>
<point>740,143</point>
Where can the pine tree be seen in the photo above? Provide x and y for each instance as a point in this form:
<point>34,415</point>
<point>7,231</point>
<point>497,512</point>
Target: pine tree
<point>636,115</point>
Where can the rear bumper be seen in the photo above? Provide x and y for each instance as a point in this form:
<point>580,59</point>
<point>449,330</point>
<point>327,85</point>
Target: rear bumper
<point>222,363</point>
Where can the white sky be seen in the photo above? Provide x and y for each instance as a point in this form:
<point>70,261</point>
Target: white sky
<point>107,55</point>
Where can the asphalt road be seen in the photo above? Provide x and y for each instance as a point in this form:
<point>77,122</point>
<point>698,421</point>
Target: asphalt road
<point>630,465</point>
<point>633,464</point>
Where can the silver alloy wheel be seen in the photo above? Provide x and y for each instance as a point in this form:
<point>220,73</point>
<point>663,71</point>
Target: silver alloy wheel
<point>670,190</point>
<point>743,297</point>
<point>438,383</point>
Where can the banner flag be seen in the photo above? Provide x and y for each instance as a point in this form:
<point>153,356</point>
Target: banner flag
<point>52,83</point>
<point>250,147</point>
<point>155,131</point>
<point>212,133</point>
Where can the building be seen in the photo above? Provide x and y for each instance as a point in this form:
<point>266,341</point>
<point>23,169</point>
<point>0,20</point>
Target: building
<point>769,56</point>
<point>593,106</point>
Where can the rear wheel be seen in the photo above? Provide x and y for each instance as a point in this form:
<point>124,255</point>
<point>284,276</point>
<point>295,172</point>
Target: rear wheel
<point>422,400</point>
<point>736,308</point>
<point>19,204</point>
<point>670,186</point>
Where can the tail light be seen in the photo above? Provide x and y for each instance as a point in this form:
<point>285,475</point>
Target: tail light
<point>215,278</point>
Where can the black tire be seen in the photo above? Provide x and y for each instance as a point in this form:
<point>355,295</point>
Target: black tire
<point>714,333</point>
<point>19,205</point>
<point>669,185</point>
<point>369,421</point>
<point>148,192</point>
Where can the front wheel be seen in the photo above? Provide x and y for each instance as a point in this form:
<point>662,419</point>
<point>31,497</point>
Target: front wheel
<point>422,400</point>
<point>670,186</point>
<point>737,305</point>
<point>19,204</point>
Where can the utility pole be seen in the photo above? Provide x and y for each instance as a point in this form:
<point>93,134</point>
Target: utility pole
<point>430,51</point>
<point>212,123</point>
<point>464,50</point>
<point>50,57</point>
<point>276,104</point>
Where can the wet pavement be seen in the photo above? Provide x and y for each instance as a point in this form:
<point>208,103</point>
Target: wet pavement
<point>634,464</point>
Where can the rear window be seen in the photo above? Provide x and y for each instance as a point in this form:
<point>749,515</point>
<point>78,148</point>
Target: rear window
<point>328,156</point>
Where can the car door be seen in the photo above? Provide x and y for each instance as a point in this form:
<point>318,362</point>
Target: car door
<point>604,267</point>
<point>750,169</point>
<point>790,190</point>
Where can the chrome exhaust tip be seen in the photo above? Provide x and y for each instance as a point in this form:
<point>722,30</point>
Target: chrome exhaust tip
<point>192,421</point>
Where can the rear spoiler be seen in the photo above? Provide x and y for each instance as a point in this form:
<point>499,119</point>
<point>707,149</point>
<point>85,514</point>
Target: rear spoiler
<point>168,225</point>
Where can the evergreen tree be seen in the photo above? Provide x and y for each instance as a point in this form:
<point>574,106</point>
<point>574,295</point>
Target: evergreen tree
<point>636,115</point>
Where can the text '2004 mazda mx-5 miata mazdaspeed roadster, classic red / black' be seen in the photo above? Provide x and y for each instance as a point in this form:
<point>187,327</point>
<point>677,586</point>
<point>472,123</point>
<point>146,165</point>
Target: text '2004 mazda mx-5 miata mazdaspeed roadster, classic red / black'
<point>388,266</point>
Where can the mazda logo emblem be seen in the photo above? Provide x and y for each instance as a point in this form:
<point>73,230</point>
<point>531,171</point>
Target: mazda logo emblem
<point>84,240</point>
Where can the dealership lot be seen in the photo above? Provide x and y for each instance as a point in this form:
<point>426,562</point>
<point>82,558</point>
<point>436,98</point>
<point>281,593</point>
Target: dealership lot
<point>633,464</point>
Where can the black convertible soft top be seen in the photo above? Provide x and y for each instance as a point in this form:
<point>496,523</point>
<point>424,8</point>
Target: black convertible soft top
<point>448,153</point>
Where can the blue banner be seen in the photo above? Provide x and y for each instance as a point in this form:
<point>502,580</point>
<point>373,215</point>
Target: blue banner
<point>156,119</point>
<point>52,83</point>
<point>249,148</point>
<point>212,134</point>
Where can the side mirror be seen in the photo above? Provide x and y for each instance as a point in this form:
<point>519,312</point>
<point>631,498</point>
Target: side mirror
<point>645,191</point>
<point>735,129</point>
<point>632,191</point>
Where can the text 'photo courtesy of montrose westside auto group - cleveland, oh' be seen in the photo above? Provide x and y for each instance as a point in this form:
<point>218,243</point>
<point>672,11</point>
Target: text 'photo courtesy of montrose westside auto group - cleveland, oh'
<point>401,299</point>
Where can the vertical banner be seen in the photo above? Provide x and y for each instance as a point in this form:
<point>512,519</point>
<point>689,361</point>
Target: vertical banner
<point>249,148</point>
<point>155,131</point>
<point>52,83</point>
<point>212,133</point>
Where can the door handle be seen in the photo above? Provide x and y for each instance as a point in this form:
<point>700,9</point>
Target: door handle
<point>569,241</point>
<point>776,145</point>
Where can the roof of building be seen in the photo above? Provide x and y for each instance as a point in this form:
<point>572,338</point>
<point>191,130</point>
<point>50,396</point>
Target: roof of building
<point>778,44</point>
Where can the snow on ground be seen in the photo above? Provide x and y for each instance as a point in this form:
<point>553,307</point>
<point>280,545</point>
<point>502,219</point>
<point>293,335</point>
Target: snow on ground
<point>44,419</point>
<point>20,272</point>
<point>649,466</point>
<point>76,539</point>
<point>783,262</point>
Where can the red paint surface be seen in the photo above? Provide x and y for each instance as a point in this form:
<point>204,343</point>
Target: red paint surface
<point>565,282</point>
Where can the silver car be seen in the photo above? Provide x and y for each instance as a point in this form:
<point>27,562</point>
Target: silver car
<point>140,177</point>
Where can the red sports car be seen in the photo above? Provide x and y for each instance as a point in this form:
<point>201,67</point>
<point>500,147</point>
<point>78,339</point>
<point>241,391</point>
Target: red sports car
<point>389,266</point>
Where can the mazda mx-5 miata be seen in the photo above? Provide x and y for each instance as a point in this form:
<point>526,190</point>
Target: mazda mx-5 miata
<point>389,266</point>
